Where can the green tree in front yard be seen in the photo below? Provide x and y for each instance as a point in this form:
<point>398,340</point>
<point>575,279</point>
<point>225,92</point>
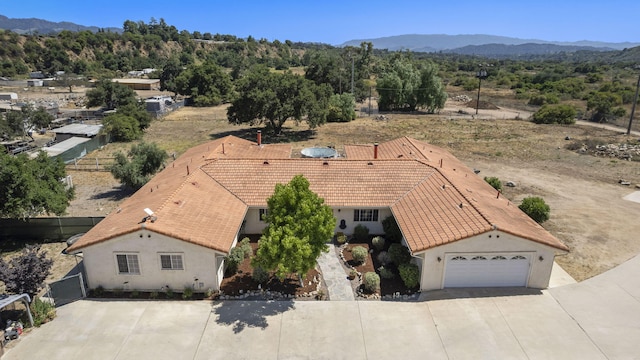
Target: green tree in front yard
<point>299,225</point>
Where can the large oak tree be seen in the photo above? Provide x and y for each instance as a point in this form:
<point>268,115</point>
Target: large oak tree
<point>266,97</point>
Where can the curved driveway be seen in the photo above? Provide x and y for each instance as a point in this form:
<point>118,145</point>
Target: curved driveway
<point>596,319</point>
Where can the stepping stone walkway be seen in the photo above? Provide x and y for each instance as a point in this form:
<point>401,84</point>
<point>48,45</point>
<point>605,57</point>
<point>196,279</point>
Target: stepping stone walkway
<point>338,286</point>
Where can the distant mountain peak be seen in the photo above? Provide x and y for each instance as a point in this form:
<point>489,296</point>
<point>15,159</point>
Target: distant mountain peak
<point>442,42</point>
<point>32,25</point>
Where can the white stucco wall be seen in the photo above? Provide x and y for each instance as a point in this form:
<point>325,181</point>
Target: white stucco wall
<point>492,242</point>
<point>198,262</point>
<point>254,226</point>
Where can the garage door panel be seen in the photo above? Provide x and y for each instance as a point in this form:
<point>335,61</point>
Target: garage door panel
<point>486,270</point>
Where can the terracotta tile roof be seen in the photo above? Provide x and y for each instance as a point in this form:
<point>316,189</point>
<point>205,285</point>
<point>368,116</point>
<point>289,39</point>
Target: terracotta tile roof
<point>375,183</point>
<point>498,212</point>
<point>203,196</point>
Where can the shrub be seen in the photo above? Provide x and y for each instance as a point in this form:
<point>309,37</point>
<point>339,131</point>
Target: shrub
<point>536,208</point>
<point>494,181</point>
<point>399,254</point>
<point>409,274</point>
<point>378,242</point>
<point>236,256</point>
<point>555,114</point>
<point>187,293</point>
<point>385,273</point>
<point>260,275</point>
<point>391,229</point>
<point>341,238</point>
<point>26,272</point>
<point>371,282</point>
<point>384,258</point>
<point>135,294</point>
<point>99,291</point>
<point>42,312</point>
<point>153,295</point>
<point>361,233</point>
<point>353,273</point>
<point>359,254</point>
<point>246,247</point>
<point>168,292</point>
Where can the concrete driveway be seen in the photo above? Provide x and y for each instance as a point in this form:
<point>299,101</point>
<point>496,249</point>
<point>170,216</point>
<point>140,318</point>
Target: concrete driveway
<point>596,319</point>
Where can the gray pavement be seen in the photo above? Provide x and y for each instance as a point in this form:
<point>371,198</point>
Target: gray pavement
<point>338,286</point>
<point>596,319</point>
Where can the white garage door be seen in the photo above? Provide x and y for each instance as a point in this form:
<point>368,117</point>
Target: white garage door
<point>486,270</point>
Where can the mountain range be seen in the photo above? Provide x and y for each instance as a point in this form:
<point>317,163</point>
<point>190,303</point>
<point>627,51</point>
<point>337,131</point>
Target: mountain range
<point>478,44</point>
<point>32,25</point>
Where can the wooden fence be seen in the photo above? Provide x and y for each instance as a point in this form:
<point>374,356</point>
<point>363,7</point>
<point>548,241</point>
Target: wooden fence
<point>91,164</point>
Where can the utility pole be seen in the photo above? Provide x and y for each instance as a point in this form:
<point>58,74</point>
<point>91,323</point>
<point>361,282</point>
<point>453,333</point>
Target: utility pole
<point>635,100</point>
<point>481,74</point>
<point>352,67</point>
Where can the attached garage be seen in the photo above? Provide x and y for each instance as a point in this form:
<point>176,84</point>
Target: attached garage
<point>486,270</point>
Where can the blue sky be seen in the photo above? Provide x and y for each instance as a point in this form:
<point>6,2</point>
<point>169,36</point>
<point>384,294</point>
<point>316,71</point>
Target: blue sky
<point>335,22</point>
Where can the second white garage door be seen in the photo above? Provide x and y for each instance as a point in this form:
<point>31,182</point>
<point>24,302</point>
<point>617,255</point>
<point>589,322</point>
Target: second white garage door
<point>486,270</point>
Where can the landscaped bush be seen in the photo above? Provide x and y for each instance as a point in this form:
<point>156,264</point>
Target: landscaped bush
<point>378,242</point>
<point>494,181</point>
<point>359,254</point>
<point>385,273</point>
<point>341,238</point>
<point>260,275</point>
<point>361,233</point>
<point>536,208</point>
<point>187,293</point>
<point>42,312</point>
<point>391,229</point>
<point>168,292</point>
<point>384,258</point>
<point>371,282</point>
<point>246,247</point>
<point>236,256</point>
<point>399,254</point>
<point>410,275</point>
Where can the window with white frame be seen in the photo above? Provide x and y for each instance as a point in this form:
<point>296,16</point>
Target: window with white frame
<point>128,264</point>
<point>365,215</point>
<point>171,262</point>
<point>262,214</point>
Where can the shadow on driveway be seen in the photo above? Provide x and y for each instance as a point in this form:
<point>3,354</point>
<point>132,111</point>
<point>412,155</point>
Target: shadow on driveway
<point>243,314</point>
<point>462,293</point>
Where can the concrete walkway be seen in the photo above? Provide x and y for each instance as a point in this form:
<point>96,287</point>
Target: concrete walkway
<point>338,285</point>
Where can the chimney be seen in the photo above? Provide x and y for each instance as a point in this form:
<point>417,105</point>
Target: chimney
<point>375,150</point>
<point>259,137</point>
<point>222,148</point>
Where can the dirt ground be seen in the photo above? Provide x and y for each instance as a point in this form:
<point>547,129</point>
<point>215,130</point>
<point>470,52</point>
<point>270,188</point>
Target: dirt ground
<point>587,210</point>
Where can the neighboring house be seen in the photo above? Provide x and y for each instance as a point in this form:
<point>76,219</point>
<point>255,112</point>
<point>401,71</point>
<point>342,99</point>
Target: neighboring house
<point>459,230</point>
<point>139,84</point>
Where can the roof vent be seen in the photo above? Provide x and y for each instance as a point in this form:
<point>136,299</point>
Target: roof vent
<point>370,163</point>
<point>461,205</point>
<point>325,163</point>
<point>444,186</point>
<point>265,162</point>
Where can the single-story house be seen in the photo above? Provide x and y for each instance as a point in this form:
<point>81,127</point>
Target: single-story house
<point>139,84</point>
<point>9,96</point>
<point>178,228</point>
<point>76,130</point>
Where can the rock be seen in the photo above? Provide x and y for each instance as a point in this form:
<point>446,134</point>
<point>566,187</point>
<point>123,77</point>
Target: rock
<point>510,184</point>
<point>567,137</point>
<point>624,182</point>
